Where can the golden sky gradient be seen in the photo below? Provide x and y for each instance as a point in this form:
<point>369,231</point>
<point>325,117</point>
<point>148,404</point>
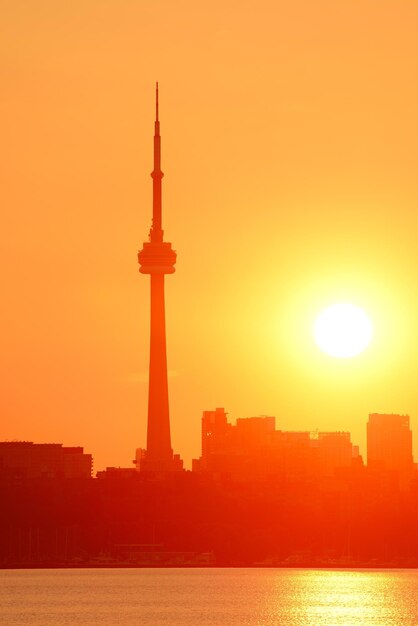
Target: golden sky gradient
<point>289,135</point>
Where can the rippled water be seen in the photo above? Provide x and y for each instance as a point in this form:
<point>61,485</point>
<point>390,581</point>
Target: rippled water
<point>221,597</point>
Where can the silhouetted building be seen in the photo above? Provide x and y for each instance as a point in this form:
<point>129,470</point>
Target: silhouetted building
<point>25,459</point>
<point>295,455</point>
<point>157,258</point>
<point>140,454</point>
<point>117,473</point>
<point>215,430</point>
<point>232,449</point>
<point>335,451</point>
<point>254,449</point>
<point>389,444</point>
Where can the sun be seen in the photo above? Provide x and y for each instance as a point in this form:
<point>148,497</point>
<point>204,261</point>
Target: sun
<point>343,330</point>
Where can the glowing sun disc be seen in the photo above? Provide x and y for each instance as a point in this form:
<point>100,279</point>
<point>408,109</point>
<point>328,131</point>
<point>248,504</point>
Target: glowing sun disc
<point>343,330</point>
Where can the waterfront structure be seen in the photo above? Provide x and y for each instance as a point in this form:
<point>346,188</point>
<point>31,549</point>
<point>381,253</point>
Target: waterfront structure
<point>157,258</point>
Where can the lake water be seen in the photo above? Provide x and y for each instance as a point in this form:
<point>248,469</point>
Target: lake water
<point>199,597</point>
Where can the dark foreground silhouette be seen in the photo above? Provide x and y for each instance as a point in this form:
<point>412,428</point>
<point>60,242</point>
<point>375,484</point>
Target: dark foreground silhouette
<point>359,517</point>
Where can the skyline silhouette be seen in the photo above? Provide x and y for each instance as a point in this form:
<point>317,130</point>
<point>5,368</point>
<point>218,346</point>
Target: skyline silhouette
<point>252,447</point>
<point>257,497</point>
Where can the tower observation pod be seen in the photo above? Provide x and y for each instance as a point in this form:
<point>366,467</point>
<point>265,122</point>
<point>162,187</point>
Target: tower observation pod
<point>157,258</point>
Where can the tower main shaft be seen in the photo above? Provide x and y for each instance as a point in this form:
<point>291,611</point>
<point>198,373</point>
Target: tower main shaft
<point>157,259</point>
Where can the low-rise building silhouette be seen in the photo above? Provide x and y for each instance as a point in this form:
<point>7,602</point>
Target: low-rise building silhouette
<point>27,460</point>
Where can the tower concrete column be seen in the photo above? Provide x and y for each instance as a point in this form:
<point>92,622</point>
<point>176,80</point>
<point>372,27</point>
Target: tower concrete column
<point>158,435</point>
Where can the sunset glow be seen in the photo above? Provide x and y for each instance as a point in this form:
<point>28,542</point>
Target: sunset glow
<point>208,334</point>
<point>343,330</point>
<point>289,159</point>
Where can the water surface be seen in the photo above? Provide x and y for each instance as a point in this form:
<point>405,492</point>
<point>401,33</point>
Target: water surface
<point>200,597</point>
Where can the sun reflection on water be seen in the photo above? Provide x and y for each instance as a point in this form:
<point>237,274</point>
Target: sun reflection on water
<point>346,598</point>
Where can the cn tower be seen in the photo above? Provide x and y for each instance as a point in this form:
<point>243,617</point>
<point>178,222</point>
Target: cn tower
<point>157,258</point>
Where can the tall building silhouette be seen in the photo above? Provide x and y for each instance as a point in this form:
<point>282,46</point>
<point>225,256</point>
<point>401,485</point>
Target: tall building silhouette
<point>389,444</point>
<point>157,258</point>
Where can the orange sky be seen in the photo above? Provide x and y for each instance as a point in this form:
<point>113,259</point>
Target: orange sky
<point>290,157</point>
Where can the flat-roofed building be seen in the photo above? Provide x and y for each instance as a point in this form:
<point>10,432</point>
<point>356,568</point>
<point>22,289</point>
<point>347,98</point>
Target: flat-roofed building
<point>44,460</point>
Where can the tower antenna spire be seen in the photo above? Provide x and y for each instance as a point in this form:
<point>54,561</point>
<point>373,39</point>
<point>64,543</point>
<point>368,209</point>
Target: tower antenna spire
<point>157,233</point>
